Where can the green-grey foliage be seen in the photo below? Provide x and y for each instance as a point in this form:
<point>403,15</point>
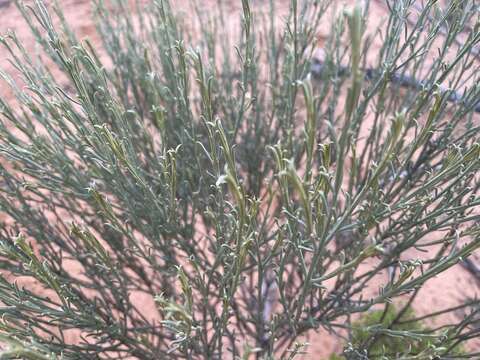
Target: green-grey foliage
<point>389,334</point>
<point>187,191</point>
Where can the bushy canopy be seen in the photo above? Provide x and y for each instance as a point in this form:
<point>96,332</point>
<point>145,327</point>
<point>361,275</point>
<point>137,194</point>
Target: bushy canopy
<point>185,190</point>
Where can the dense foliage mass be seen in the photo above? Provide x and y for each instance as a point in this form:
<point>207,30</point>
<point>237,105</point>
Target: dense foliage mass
<point>201,188</point>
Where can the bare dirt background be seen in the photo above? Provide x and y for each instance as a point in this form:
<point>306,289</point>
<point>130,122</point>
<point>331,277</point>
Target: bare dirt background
<point>442,292</point>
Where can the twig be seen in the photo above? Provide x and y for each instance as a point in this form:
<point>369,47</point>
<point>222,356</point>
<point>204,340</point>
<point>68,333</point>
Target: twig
<point>317,68</point>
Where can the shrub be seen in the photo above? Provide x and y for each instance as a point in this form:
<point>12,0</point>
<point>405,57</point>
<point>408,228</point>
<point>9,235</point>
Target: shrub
<point>386,341</point>
<point>200,193</point>
<point>391,334</point>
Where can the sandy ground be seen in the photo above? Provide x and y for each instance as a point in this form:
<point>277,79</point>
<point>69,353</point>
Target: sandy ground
<point>439,293</point>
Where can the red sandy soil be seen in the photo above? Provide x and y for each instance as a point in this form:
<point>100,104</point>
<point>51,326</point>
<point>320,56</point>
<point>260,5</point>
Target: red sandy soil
<point>445,291</point>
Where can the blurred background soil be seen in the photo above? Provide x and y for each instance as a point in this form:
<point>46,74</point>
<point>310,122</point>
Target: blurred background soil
<point>444,291</point>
